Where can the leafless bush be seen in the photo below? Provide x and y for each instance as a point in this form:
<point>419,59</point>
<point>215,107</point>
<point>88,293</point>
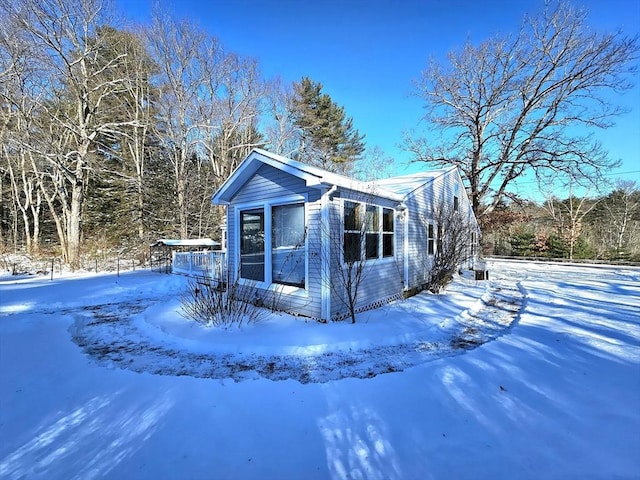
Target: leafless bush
<point>453,246</point>
<point>214,304</point>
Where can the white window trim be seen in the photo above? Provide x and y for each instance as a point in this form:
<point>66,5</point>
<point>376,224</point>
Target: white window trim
<point>266,206</point>
<point>431,223</point>
<point>363,217</point>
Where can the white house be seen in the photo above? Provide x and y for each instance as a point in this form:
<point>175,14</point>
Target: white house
<point>291,226</point>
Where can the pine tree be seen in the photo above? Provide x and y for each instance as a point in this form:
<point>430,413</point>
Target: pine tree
<point>327,137</point>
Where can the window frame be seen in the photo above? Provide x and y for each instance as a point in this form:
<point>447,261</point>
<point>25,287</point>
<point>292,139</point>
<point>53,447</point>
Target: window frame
<point>260,214</point>
<point>389,233</point>
<point>267,205</point>
<point>370,227</point>
<point>354,231</point>
<point>431,239</point>
<point>272,208</point>
<point>372,231</point>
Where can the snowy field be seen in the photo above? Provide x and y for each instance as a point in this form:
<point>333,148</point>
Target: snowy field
<point>534,374</point>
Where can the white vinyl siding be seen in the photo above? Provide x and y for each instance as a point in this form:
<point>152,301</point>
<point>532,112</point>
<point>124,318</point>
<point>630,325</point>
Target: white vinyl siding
<point>269,188</point>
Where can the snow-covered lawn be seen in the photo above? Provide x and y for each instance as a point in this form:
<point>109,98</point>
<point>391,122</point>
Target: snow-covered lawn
<point>535,374</point>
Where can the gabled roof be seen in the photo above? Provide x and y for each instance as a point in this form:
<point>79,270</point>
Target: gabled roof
<point>396,188</point>
<point>406,184</point>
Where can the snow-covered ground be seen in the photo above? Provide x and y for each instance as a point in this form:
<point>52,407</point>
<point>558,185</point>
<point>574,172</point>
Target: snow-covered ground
<point>534,374</point>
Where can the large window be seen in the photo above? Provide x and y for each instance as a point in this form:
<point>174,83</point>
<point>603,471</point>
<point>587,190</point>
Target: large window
<point>283,228</point>
<point>368,231</point>
<point>287,245</point>
<point>252,244</point>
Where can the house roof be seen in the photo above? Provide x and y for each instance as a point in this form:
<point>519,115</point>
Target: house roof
<point>396,188</point>
<point>406,184</point>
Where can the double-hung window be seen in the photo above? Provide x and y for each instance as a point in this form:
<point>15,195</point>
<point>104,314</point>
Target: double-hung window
<point>372,236</point>
<point>352,232</point>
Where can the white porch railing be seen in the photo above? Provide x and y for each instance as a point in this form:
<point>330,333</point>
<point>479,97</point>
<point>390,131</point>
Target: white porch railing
<point>203,264</point>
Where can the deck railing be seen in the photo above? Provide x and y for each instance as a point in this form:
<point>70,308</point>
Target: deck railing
<point>201,264</point>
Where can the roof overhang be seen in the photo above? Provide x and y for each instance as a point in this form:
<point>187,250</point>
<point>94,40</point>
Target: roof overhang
<point>250,166</point>
<point>313,177</point>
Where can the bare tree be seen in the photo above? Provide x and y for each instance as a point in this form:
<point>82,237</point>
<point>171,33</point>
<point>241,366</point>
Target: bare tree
<point>177,47</point>
<point>375,164</point>
<point>511,106</point>
<point>616,222</point>
<point>348,242</point>
<point>20,87</point>
<point>236,107</point>
<point>569,216</point>
<point>80,80</point>
<point>280,131</point>
<point>357,235</point>
<point>624,212</point>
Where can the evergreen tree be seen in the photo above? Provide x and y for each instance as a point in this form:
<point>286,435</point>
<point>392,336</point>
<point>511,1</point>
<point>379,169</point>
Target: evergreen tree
<point>522,241</point>
<point>327,136</point>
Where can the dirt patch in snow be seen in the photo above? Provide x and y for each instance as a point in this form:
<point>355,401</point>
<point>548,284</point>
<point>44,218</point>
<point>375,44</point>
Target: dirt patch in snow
<point>107,334</point>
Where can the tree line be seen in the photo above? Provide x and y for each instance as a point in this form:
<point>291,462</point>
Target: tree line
<point>116,136</point>
<point>112,136</point>
<point>605,227</point>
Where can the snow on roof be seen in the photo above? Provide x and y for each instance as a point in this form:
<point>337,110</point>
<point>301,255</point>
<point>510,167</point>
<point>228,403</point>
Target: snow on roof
<point>405,184</point>
<point>193,242</point>
<point>330,178</point>
<point>313,176</point>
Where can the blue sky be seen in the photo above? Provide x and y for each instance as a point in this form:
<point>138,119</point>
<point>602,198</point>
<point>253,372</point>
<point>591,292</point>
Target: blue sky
<point>368,53</point>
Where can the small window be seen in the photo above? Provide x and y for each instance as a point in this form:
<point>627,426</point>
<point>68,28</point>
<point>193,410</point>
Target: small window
<point>352,232</point>
<point>430,239</point>
<point>387,232</point>
<point>456,205</point>
<point>372,238</point>
<point>473,244</point>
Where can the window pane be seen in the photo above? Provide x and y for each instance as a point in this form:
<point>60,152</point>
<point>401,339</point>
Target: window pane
<point>387,245</point>
<point>352,247</point>
<point>372,240</point>
<point>373,222</point>
<point>351,216</point>
<point>252,245</point>
<point>430,246</point>
<point>288,246</point>
<point>387,220</point>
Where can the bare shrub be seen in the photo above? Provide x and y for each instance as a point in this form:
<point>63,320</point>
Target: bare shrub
<point>453,246</point>
<point>214,304</point>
